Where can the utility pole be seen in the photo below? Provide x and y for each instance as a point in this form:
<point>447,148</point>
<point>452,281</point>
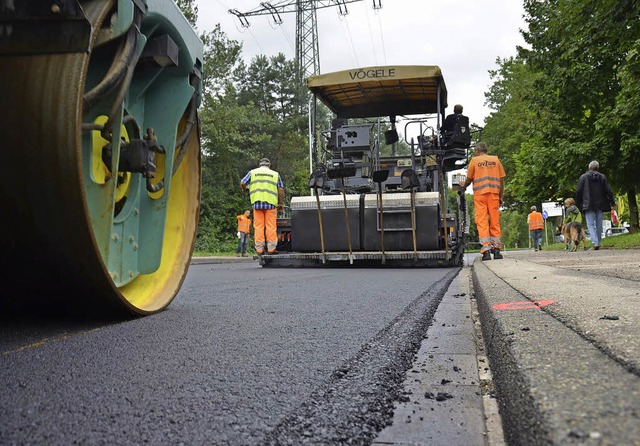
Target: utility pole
<point>307,50</point>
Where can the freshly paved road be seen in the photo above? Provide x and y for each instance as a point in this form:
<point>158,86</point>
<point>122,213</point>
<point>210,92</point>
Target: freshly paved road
<point>561,333</point>
<point>255,356</point>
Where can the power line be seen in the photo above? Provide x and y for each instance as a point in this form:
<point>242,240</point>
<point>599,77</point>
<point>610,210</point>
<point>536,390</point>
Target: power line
<point>373,44</point>
<point>307,50</point>
<point>384,50</point>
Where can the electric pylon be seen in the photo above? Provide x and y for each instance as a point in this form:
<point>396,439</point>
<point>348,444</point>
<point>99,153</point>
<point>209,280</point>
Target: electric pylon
<point>307,48</point>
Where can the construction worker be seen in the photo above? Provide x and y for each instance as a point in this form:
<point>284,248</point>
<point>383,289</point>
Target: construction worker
<point>450,121</point>
<point>244,229</point>
<point>487,175</point>
<point>266,190</point>
<point>536,225</point>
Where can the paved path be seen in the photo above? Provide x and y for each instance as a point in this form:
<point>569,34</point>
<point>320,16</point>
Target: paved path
<point>563,335</point>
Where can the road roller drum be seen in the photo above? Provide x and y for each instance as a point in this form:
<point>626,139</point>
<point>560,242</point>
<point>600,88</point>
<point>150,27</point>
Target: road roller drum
<point>101,177</point>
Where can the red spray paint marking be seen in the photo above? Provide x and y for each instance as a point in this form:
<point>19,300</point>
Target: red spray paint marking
<point>523,305</point>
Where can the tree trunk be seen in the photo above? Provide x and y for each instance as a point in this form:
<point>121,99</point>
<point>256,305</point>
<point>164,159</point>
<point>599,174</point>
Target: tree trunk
<point>633,208</point>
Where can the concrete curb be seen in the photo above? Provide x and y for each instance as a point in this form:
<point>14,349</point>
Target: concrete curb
<point>563,373</point>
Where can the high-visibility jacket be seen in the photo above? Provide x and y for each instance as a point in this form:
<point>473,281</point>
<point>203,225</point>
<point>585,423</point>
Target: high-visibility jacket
<point>535,221</point>
<point>263,185</point>
<point>244,223</point>
<point>486,171</point>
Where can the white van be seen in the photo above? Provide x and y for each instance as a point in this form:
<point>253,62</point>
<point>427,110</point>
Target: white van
<point>611,232</point>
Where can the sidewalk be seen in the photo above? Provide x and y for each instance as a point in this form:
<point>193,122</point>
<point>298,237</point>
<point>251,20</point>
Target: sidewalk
<point>563,336</point>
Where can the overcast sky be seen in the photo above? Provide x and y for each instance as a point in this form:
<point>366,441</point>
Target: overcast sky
<point>462,37</point>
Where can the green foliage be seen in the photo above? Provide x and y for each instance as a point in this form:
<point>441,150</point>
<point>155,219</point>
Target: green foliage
<point>248,112</point>
<point>624,241</point>
<point>569,98</point>
<point>189,9</point>
<point>472,236</point>
<point>515,229</point>
<point>221,56</point>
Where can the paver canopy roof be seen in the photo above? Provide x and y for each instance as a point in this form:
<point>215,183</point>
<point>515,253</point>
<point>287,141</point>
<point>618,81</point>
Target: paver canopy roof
<point>381,91</point>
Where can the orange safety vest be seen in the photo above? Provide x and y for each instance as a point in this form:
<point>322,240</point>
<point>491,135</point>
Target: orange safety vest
<point>244,224</point>
<point>535,221</point>
<point>486,171</point>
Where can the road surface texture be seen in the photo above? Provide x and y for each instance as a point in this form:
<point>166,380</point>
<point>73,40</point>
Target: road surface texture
<point>256,356</point>
<point>563,335</point>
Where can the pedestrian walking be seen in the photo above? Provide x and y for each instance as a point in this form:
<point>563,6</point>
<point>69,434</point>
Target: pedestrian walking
<point>266,191</point>
<point>244,229</point>
<point>487,175</point>
<point>571,212</point>
<point>536,225</point>
<point>594,196</point>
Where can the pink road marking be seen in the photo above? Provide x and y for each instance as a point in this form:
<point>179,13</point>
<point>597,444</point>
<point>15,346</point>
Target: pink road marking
<point>523,305</point>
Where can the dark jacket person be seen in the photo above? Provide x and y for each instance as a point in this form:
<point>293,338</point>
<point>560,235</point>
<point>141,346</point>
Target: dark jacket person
<point>594,196</point>
<point>450,121</point>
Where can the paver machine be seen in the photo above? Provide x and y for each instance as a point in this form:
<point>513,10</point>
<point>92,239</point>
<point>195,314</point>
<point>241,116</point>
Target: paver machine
<point>379,193</point>
<point>100,187</point>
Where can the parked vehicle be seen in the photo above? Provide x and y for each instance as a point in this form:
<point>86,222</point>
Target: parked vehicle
<point>612,232</point>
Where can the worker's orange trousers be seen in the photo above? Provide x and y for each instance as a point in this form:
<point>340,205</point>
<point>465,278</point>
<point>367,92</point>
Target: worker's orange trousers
<point>488,220</point>
<point>264,223</point>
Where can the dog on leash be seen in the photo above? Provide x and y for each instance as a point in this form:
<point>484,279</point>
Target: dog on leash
<point>574,232</point>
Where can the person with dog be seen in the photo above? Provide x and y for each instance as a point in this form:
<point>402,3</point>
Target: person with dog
<point>266,190</point>
<point>571,212</point>
<point>487,175</point>
<point>536,225</point>
<point>573,232</point>
<point>572,229</point>
<point>594,196</point>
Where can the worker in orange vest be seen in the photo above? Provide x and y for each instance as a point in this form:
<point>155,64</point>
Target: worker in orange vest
<point>536,225</point>
<point>244,229</point>
<point>487,175</point>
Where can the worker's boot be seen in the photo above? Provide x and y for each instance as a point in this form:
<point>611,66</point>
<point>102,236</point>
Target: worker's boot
<point>486,255</point>
<point>496,254</point>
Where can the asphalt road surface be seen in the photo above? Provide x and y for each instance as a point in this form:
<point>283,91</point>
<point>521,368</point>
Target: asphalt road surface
<point>243,356</point>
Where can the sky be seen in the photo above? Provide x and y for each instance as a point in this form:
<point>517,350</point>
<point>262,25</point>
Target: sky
<point>463,37</point>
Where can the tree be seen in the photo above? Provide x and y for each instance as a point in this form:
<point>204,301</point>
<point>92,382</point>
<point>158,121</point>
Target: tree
<point>221,57</point>
<point>270,84</point>
<point>248,113</point>
<point>189,9</point>
<point>568,99</point>
<point>583,51</point>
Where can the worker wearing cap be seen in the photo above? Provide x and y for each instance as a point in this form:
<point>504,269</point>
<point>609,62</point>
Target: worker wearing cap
<point>487,175</point>
<point>266,190</point>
